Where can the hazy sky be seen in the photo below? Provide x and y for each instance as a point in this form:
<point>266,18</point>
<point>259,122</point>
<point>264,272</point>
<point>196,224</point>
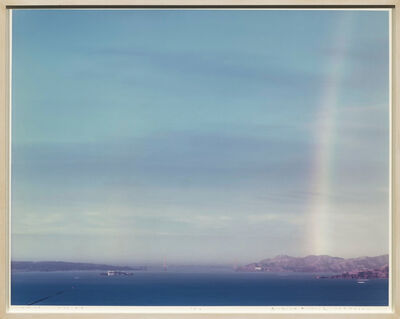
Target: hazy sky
<point>199,136</point>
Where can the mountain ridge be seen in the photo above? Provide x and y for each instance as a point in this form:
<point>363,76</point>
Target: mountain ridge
<point>316,263</point>
<point>65,266</point>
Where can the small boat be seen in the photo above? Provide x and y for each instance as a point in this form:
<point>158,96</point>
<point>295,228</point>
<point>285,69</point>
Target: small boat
<point>116,273</point>
<point>361,281</point>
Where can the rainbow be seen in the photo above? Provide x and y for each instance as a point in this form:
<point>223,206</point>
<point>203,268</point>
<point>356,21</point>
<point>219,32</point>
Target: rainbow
<point>318,241</point>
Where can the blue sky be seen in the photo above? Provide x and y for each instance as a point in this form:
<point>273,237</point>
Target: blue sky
<point>191,135</point>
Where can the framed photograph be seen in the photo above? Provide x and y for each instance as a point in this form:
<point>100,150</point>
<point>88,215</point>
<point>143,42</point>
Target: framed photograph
<point>220,159</point>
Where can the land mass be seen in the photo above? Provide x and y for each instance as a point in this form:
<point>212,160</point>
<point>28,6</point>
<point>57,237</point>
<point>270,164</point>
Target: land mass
<point>319,264</point>
<point>65,266</point>
<point>335,267</point>
<point>378,273</point>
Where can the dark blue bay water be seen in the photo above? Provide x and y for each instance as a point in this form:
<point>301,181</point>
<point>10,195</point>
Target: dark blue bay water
<point>193,289</point>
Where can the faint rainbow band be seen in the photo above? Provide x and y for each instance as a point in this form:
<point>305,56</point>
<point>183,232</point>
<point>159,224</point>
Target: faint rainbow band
<point>318,239</point>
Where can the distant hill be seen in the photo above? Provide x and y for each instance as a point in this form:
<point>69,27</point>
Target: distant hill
<point>313,263</point>
<point>63,266</point>
<point>382,272</point>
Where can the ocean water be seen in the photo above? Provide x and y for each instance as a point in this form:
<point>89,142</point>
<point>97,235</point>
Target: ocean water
<point>220,288</point>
